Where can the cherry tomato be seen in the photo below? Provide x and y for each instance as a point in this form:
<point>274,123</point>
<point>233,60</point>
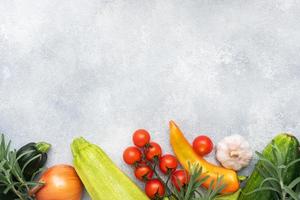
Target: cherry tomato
<point>132,155</point>
<point>180,176</point>
<point>154,188</point>
<point>168,163</point>
<point>143,173</point>
<point>141,137</point>
<point>202,145</point>
<point>142,163</point>
<point>154,150</point>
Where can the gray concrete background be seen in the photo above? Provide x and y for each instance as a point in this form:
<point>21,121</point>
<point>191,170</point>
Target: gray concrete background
<point>101,69</point>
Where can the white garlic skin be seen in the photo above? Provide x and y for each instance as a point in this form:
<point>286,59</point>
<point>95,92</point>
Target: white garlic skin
<point>234,152</point>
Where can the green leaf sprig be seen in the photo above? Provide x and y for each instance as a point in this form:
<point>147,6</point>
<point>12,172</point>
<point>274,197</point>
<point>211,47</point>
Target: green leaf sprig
<point>12,181</point>
<point>273,173</point>
<point>192,190</point>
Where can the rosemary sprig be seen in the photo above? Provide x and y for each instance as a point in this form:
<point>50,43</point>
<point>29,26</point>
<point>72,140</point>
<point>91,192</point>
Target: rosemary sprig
<point>192,190</point>
<point>273,173</point>
<point>12,181</point>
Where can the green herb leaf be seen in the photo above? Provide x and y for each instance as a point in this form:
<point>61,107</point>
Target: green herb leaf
<point>273,173</point>
<point>11,175</point>
<point>193,190</point>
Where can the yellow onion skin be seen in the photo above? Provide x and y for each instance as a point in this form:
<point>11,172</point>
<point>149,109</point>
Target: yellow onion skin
<point>61,182</point>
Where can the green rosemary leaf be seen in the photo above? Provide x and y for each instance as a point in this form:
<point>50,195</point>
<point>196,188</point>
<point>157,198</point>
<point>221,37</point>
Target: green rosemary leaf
<point>211,185</point>
<point>298,190</point>
<point>275,181</point>
<point>37,173</point>
<point>203,179</point>
<point>292,163</point>
<point>32,183</point>
<point>280,158</point>
<point>294,183</point>
<point>11,175</point>
<point>268,164</point>
<point>7,147</point>
<point>262,189</point>
<point>3,179</point>
<point>194,182</point>
<point>218,188</point>
<point>9,187</point>
<point>263,171</point>
<point>176,193</point>
<point>193,190</point>
<point>291,192</point>
<point>268,180</point>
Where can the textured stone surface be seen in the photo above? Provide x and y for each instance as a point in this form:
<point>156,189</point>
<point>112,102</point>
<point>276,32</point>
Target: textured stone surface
<point>101,69</point>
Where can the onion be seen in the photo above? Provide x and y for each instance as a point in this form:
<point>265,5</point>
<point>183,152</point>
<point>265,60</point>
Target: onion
<point>61,183</point>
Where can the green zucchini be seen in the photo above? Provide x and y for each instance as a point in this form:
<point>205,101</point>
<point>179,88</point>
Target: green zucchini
<point>289,147</point>
<point>102,179</point>
<point>33,157</point>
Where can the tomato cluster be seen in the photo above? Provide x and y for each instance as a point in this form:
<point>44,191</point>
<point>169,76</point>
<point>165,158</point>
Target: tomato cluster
<point>145,157</point>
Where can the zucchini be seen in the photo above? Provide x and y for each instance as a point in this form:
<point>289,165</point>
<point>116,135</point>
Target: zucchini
<point>289,147</point>
<point>102,179</point>
<point>33,157</point>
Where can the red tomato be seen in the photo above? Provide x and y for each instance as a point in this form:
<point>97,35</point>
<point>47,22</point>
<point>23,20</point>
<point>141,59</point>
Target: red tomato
<point>132,155</point>
<point>202,145</point>
<point>142,163</point>
<point>180,176</point>
<point>141,137</point>
<point>154,150</point>
<point>143,173</point>
<point>168,163</point>
<point>154,188</point>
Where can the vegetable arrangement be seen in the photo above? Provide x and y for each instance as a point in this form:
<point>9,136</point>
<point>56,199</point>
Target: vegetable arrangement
<point>146,157</point>
<point>19,171</point>
<point>186,175</point>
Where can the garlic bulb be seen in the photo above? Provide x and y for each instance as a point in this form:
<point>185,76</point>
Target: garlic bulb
<point>234,152</point>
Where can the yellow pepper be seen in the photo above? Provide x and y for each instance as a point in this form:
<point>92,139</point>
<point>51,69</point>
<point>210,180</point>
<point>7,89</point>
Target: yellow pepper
<point>185,154</point>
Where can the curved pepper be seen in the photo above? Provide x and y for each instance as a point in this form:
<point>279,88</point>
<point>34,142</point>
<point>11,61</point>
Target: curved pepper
<point>185,154</point>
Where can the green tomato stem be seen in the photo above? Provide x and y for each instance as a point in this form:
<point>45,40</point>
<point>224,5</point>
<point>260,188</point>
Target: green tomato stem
<point>156,160</point>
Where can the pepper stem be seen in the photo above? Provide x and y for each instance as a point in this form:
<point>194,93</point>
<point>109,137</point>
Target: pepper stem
<point>43,147</point>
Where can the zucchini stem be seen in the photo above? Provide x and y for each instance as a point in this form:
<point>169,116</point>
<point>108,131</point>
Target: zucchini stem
<point>43,147</point>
